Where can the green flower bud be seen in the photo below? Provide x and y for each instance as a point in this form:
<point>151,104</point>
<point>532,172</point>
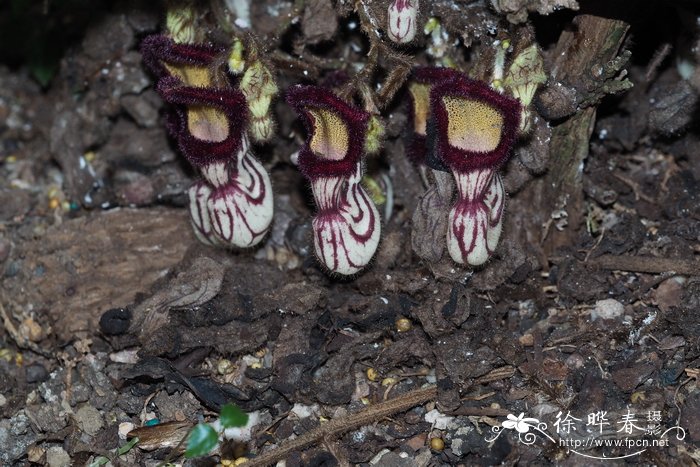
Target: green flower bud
<point>259,87</point>
<point>525,74</point>
<point>180,24</point>
<point>375,135</point>
<point>236,63</point>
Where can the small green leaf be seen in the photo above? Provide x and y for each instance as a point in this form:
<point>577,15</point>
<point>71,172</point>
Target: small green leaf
<point>201,441</point>
<point>231,416</point>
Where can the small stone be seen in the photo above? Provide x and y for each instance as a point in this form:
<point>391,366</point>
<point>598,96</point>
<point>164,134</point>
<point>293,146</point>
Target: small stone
<point>527,340</point>
<point>35,454</point>
<point>671,342</point>
<point>628,379</point>
<point>124,429</point>
<point>607,309</point>
<point>31,330</point>
<point>134,188</point>
<point>13,268</point>
<point>669,293</point>
<point>575,361</point>
<point>440,421</point>
<point>20,423</point>
<point>141,108</point>
<point>89,420</point>
<point>48,417</point>
<point>320,21</point>
<point>36,373</point>
<point>56,456</point>
<point>14,203</point>
<point>386,458</point>
<point>417,441</point>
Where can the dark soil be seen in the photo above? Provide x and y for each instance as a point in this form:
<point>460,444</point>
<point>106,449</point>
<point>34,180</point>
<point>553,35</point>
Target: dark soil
<point>114,314</point>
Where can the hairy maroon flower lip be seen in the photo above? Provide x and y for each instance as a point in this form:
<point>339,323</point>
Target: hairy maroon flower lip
<point>171,62</point>
<point>307,99</point>
<point>158,50</point>
<point>491,105</point>
<point>231,102</point>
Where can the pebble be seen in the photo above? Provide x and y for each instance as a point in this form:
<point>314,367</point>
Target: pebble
<point>527,340</point>
<point>56,456</point>
<point>35,454</point>
<point>124,429</point>
<point>36,373</point>
<point>575,361</point>
<point>439,420</point>
<point>89,420</point>
<point>12,269</point>
<point>31,330</point>
<point>607,309</point>
<point>669,293</point>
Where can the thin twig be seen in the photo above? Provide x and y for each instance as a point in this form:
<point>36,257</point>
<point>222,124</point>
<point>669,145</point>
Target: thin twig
<point>647,264</point>
<point>653,66</point>
<point>342,425</point>
<point>638,193</point>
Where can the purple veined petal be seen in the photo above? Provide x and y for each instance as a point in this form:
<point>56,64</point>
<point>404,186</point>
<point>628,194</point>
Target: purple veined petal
<point>199,215</point>
<point>219,173</point>
<point>216,173</point>
<point>346,227</point>
<point>495,199</point>
<point>469,219</point>
<point>241,211</point>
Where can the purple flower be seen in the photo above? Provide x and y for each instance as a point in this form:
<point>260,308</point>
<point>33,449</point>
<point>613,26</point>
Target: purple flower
<point>346,226</point>
<point>233,205</point>
<point>475,130</point>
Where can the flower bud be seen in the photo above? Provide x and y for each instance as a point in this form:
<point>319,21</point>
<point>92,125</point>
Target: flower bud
<point>179,22</point>
<point>523,78</point>
<point>375,135</point>
<point>402,20</point>
<point>258,86</point>
<point>525,74</point>
<point>236,62</point>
